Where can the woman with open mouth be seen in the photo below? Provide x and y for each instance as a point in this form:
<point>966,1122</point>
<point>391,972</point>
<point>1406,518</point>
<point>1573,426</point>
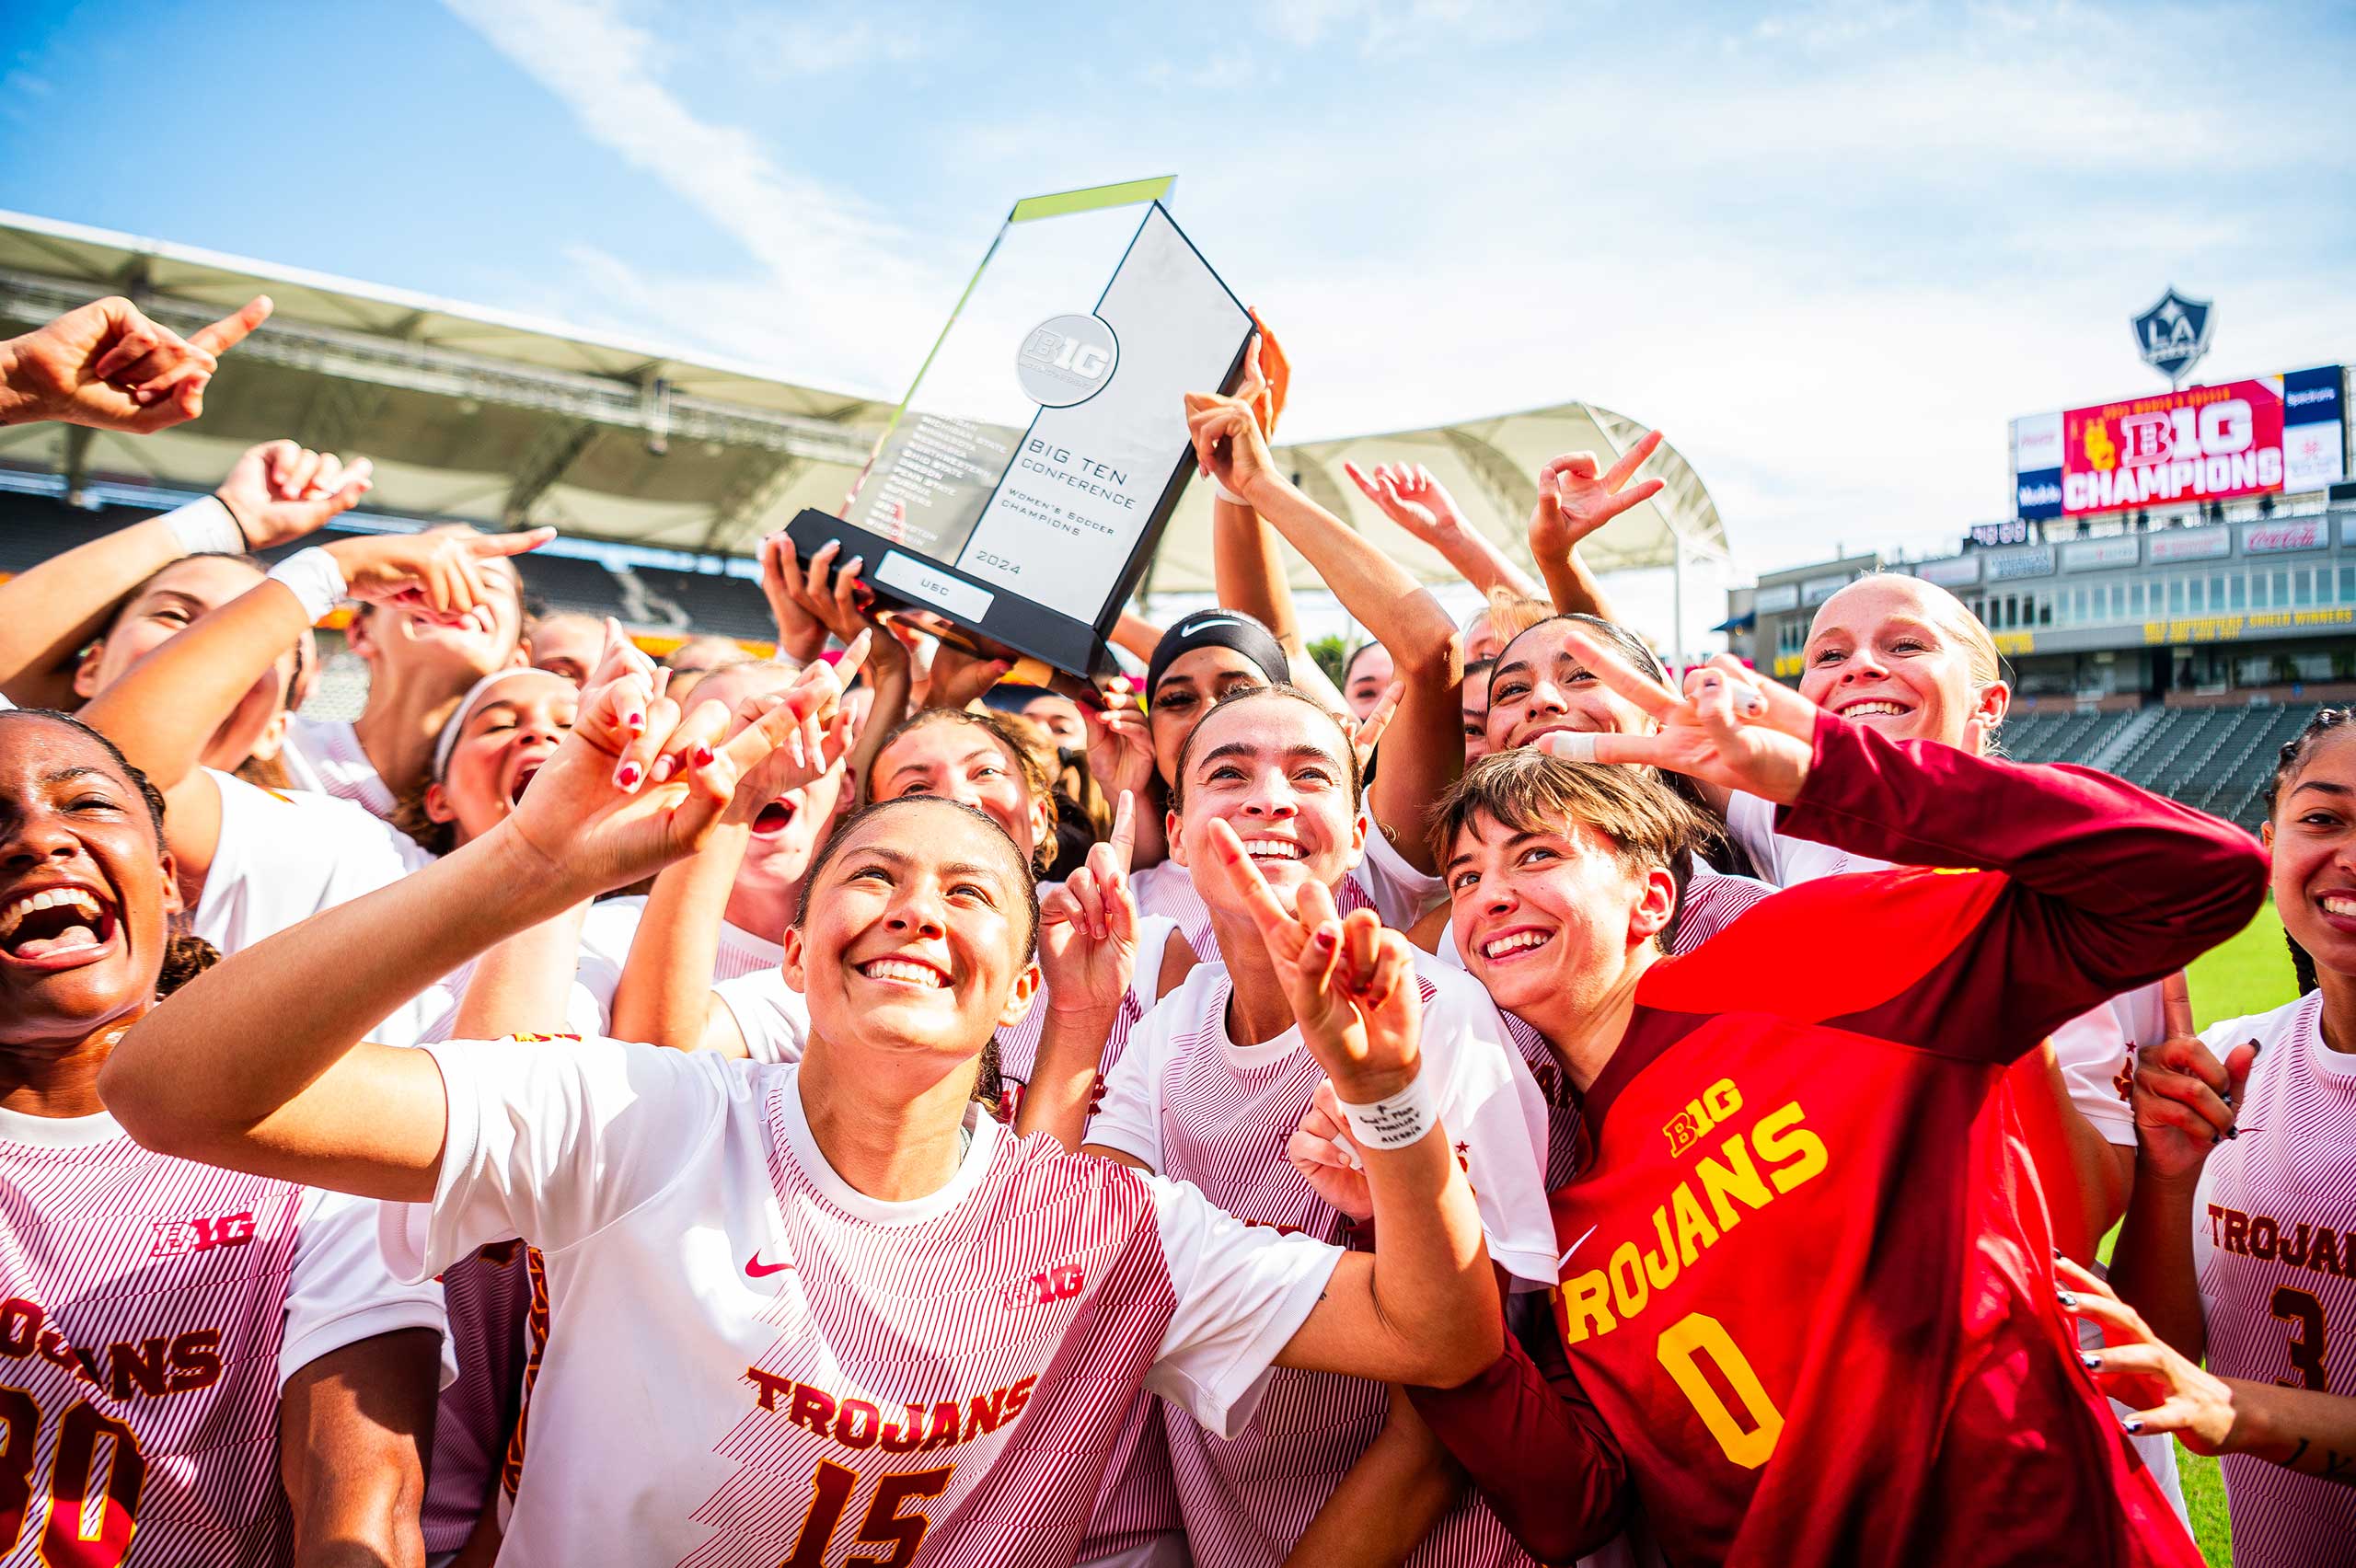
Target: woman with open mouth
<point>179,1337</point>
<point>2240,1244</point>
<point>1807,1296</point>
<point>796,1306</point>
<point>1214,1081</point>
<point>254,860</point>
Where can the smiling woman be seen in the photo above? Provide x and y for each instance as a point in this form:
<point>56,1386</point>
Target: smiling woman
<point>818,1240</point>
<point>87,908</point>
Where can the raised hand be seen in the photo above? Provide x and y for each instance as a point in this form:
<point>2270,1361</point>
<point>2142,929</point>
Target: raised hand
<point>959,677</point>
<point>2135,1366</point>
<point>801,635</point>
<point>1735,730</point>
<point>1229,445</point>
<point>280,492</point>
<point>1409,496</point>
<point>1088,927</point>
<point>637,785</point>
<point>1367,733</point>
<point>2186,1101</point>
<point>436,573</point>
<point>1320,1150</point>
<point>1351,982</point>
<point>1575,498</point>
<point>107,365</point>
<point>1120,743</point>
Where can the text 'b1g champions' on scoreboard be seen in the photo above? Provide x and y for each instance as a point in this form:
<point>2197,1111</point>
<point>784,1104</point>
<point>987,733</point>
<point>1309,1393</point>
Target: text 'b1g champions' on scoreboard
<point>2276,434</point>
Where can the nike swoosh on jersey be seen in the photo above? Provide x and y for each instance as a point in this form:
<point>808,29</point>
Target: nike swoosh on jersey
<point>755,1269</point>
<point>1576,1246</point>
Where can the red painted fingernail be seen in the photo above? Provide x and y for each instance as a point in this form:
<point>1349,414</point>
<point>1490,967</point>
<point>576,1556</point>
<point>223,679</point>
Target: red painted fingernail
<point>703,757</point>
<point>1324,939</point>
<point>626,776</point>
<point>634,720</point>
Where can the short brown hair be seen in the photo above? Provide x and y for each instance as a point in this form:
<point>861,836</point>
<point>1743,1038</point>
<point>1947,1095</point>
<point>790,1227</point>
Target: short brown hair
<point>1647,823</point>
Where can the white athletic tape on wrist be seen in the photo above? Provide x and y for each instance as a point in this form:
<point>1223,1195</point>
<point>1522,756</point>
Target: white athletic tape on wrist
<point>1395,1123</point>
<point>1572,745</point>
<point>204,527</point>
<point>1226,494</point>
<point>316,580</point>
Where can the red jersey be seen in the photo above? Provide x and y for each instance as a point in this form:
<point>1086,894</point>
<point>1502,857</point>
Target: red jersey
<point>1806,1275</point>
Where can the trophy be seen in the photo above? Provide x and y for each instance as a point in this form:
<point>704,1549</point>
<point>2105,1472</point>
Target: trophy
<point>1025,480</point>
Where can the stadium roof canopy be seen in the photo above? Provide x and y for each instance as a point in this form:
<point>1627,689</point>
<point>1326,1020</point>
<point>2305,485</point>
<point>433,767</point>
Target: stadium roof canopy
<point>505,422</point>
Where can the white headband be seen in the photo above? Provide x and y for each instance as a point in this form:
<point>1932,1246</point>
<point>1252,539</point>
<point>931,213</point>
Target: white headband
<point>447,742</point>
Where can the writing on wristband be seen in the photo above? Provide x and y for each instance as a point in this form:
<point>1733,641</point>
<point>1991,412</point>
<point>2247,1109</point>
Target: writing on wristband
<point>1395,1122</point>
<point>314,578</point>
<point>207,527</point>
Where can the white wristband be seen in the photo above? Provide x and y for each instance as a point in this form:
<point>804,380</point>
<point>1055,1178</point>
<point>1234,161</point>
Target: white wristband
<point>1395,1123</point>
<point>1226,494</point>
<point>315,577</point>
<point>207,527</point>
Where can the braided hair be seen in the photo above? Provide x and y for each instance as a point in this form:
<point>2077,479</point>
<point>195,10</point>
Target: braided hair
<point>2287,763</point>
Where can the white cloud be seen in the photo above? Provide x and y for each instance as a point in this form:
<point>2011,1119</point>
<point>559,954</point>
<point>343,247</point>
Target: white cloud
<point>839,280</point>
<point>1830,258</point>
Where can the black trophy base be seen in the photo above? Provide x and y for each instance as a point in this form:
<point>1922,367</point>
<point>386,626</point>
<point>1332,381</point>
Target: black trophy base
<point>904,579</point>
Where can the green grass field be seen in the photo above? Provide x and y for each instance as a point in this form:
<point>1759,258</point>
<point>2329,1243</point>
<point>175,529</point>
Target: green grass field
<point>2251,973</point>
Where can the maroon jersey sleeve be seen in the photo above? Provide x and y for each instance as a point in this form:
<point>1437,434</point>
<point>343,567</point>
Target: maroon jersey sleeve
<point>2097,887</point>
<point>1536,1450</point>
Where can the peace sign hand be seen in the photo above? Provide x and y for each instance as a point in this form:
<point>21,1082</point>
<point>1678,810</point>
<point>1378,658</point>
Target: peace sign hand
<point>1351,982</point>
<point>1409,496</point>
<point>1735,730</point>
<point>1575,499</point>
<point>2186,1101</point>
<point>1088,927</point>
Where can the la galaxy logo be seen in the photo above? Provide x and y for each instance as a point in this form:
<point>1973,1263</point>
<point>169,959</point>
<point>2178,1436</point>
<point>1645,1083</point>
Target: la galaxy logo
<point>2172,334</point>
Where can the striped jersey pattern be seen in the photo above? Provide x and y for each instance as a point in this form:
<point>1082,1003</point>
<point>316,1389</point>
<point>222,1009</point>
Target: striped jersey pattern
<point>145,1304</point>
<point>1247,1499</point>
<point>473,1423</point>
<point>1053,1265</point>
<point>2274,1239</point>
<point>325,755</point>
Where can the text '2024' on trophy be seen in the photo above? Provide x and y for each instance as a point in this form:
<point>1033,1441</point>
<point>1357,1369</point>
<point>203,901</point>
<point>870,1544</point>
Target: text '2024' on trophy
<point>1023,486</point>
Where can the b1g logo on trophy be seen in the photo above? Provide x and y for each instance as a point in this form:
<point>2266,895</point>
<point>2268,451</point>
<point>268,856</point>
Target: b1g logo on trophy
<point>1067,359</point>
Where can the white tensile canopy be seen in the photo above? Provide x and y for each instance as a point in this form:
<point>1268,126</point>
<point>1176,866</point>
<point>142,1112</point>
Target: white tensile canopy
<point>505,422</point>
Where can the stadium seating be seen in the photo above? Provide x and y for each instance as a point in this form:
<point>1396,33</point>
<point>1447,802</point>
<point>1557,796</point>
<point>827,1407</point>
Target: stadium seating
<point>569,582</point>
<point>731,606</point>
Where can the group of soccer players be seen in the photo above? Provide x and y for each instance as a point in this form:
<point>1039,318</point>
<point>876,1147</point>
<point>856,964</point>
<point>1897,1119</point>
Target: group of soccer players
<point>1513,1104</point>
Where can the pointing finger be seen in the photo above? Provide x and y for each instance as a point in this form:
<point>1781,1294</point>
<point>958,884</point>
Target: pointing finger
<point>1609,666</point>
<point>2175,1004</point>
<point>1124,830</point>
<point>230,330</point>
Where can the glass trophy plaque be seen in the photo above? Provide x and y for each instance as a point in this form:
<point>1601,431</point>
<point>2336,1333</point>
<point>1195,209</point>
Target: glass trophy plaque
<point>1026,479</point>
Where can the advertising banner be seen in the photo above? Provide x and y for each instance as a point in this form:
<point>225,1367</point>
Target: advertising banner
<point>2085,554</point>
<point>2312,450</point>
<point>2174,448</point>
<point>2036,466</point>
<point>1953,572</point>
<point>2190,544</point>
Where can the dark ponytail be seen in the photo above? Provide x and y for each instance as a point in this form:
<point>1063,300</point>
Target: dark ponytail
<point>2287,763</point>
<point>185,957</point>
<point>989,1084</point>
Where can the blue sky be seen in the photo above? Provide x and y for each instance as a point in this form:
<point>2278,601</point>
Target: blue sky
<point>1830,249</point>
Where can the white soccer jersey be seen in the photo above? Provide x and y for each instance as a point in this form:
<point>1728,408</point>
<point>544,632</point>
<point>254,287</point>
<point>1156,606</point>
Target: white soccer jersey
<point>1196,1107</point>
<point>612,925</point>
<point>2274,1239</point>
<point>325,756</point>
<point>2096,1049</point>
<point>283,858</point>
<point>748,1359</point>
<point>153,1308</point>
<point>1382,881</point>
